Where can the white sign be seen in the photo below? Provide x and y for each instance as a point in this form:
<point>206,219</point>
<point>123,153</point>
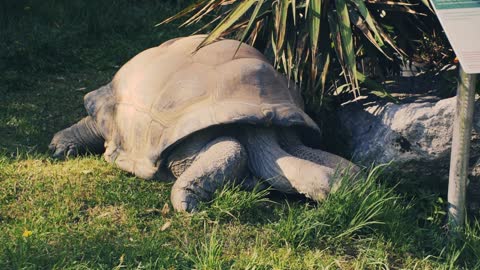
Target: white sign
<point>461,21</point>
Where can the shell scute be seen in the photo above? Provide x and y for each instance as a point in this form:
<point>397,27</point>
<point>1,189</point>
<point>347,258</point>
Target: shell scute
<point>166,93</point>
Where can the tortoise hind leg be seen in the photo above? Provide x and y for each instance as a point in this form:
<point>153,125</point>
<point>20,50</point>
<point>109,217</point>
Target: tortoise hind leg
<point>223,159</point>
<point>292,144</point>
<point>80,138</point>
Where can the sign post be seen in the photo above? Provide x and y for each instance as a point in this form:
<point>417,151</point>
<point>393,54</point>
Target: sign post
<point>462,132</point>
<point>461,21</point>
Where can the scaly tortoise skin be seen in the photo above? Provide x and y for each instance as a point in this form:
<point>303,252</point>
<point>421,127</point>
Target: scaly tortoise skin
<point>174,97</point>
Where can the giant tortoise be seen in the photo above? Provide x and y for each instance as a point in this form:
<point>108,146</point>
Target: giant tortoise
<point>206,117</point>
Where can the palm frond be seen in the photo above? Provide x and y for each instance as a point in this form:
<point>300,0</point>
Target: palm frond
<point>313,42</point>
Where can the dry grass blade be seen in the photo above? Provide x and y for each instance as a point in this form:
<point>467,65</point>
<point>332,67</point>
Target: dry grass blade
<point>274,45</point>
<point>405,9</point>
<point>307,5</point>
<point>254,34</point>
<point>281,23</point>
<point>362,8</point>
<point>301,53</point>
<point>207,25</point>
<point>324,74</point>
<point>427,4</point>
<point>294,12</point>
<point>184,12</point>
<point>390,3</point>
<point>336,38</point>
<point>285,66</point>
<point>390,42</point>
<point>292,67</point>
<point>209,7</point>
<point>360,23</point>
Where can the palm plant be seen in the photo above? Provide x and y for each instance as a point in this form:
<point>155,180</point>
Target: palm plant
<point>342,42</point>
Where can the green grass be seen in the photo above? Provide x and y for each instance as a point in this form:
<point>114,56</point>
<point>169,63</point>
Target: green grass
<point>84,213</point>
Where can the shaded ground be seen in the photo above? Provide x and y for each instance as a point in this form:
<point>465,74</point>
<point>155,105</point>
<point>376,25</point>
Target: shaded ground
<point>84,213</point>
<point>53,52</point>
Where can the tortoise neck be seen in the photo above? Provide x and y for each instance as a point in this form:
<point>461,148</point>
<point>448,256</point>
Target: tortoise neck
<point>288,138</point>
<point>87,133</point>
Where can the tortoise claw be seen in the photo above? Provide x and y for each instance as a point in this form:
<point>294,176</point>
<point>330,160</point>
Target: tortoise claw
<point>184,200</point>
<point>63,151</point>
<point>72,151</point>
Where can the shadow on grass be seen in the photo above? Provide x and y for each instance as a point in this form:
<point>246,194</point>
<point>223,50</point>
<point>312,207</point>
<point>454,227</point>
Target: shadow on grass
<point>54,52</point>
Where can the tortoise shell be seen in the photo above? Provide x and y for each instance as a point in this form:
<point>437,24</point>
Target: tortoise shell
<point>168,92</point>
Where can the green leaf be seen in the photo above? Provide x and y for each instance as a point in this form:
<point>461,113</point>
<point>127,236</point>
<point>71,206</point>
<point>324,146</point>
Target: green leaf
<point>375,88</point>
<point>336,38</point>
<point>345,30</point>
<point>300,35</point>
<point>253,18</point>
<point>232,17</point>
<point>314,24</point>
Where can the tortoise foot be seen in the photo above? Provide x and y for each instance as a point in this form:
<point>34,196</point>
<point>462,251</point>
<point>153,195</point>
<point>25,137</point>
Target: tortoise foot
<point>63,145</point>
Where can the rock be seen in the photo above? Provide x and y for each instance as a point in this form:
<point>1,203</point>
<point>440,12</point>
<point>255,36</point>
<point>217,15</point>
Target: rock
<point>416,136</point>
<point>400,132</point>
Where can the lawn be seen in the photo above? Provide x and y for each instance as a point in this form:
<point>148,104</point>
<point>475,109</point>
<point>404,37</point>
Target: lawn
<point>86,214</point>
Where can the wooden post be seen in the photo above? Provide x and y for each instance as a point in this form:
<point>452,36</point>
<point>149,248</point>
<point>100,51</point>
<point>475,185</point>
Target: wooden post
<point>462,132</point>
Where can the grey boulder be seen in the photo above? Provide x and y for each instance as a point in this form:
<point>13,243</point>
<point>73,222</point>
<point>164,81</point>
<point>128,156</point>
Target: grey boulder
<point>414,135</point>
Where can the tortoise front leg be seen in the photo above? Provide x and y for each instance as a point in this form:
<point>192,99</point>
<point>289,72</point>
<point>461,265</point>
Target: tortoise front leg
<point>78,139</point>
<point>223,159</point>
